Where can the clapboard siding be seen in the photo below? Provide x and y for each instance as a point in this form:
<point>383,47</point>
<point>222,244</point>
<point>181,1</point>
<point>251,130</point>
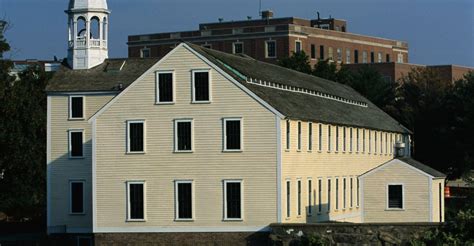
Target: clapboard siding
<point>62,169</point>
<point>436,196</point>
<point>326,164</point>
<point>416,195</point>
<point>207,166</point>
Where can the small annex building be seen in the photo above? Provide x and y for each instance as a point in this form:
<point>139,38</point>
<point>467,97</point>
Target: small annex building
<point>414,192</point>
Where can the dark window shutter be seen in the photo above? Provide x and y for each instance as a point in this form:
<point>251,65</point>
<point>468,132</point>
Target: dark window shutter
<point>185,201</point>
<point>395,196</point>
<point>77,197</point>
<point>136,201</point>
<point>201,86</point>
<point>136,137</point>
<point>233,134</point>
<point>76,144</point>
<point>233,200</point>
<point>184,136</point>
<point>165,87</point>
<point>77,107</point>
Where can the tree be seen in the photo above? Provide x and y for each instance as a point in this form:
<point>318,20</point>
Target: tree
<point>298,61</point>
<point>22,141</point>
<point>326,70</point>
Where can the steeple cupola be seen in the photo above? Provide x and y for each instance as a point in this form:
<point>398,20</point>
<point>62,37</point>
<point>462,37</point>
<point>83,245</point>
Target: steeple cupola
<point>88,24</point>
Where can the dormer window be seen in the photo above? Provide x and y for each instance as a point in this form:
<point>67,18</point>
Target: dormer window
<point>76,107</point>
<point>145,53</point>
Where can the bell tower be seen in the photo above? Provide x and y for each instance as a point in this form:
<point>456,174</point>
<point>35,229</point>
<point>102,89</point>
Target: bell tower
<point>88,24</point>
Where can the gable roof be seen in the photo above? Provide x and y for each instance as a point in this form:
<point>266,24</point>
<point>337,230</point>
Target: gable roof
<point>107,76</point>
<point>431,172</point>
<point>336,104</point>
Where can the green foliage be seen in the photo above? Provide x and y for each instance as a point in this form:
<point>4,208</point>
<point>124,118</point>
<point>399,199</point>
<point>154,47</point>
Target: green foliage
<point>22,142</point>
<point>326,70</point>
<point>314,240</point>
<point>297,61</point>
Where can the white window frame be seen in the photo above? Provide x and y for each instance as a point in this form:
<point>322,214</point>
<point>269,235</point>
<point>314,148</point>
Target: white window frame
<point>299,197</point>
<point>129,140</point>
<point>288,135</point>
<point>319,195</point>
<point>336,197</point>
<point>224,134</point>
<point>301,46</point>
<point>70,131</point>
<point>320,137</point>
<point>329,139</point>
<point>266,48</point>
<point>233,47</point>
<point>299,130</point>
<point>225,182</point>
<point>128,201</point>
<point>157,86</point>
<point>403,197</point>
<point>176,183</point>
<point>351,188</point>
<point>310,136</point>
<point>176,121</point>
<point>344,193</point>
<point>83,196</point>
<point>83,107</point>
<point>145,49</point>
<point>193,72</point>
<point>288,198</point>
<point>310,194</point>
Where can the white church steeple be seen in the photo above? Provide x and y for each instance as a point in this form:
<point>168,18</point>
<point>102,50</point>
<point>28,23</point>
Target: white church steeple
<point>88,27</point>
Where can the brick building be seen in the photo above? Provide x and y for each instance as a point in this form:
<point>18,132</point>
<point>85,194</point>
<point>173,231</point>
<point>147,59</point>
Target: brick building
<point>268,39</point>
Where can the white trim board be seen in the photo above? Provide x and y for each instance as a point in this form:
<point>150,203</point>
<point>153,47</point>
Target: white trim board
<point>131,229</point>
<point>278,169</point>
<point>48,165</point>
<point>392,162</point>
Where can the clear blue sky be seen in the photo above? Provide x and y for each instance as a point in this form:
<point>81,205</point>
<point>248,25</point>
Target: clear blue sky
<point>438,31</point>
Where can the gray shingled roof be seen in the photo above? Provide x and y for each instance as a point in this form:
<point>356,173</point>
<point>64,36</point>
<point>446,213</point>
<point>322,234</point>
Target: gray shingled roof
<point>420,166</point>
<point>301,106</point>
<point>104,77</point>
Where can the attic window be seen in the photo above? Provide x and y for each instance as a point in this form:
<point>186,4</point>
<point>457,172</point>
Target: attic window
<point>76,107</point>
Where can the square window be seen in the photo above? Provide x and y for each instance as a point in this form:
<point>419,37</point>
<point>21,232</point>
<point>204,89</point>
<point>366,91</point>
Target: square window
<point>164,87</point>
<point>233,134</point>
<point>76,149</point>
<point>136,200</point>
<point>183,136</point>
<point>76,107</point>
<point>76,197</point>
<point>201,86</point>
<point>184,200</point>
<point>233,200</point>
<point>395,196</point>
<point>136,136</point>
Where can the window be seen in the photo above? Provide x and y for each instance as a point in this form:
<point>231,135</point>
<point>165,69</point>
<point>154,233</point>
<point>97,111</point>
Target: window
<point>310,136</point>
<point>136,136</point>
<point>233,134</point>
<point>201,86</point>
<point>348,56</point>
<point>352,192</point>
<point>320,189</point>
<point>350,140</point>
<point>358,192</point>
<point>364,56</point>
<point>400,58</point>
<point>329,195</point>
<point>330,54</point>
<point>337,193</point>
<point>344,139</point>
<point>288,135</point>
<point>288,199</point>
<point>344,193</point>
<point>145,53</point>
<point>337,138</point>
<point>320,138</point>
<point>136,201</point>
<point>339,55</point>
<point>321,52</point>
<point>299,135</point>
<point>270,49</point>
<point>356,56</point>
<point>233,199</point>
<point>329,138</point>
<point>313,51</point>
<point>76,139</point>
<point>183,135</point>
<point>358,141</point>
<point>387,58</point>
<point>391,143</point>
<point>381,143</point>
<point>299,197</point>
<point>386,143</point>
<point>184,200</point>
<point>375,142</point>
<point>379,57</point>
<point>76,197</point>
<point>372,57</point>
<point>310,196</point>
<point>395,196</point>
<point>164,87</point>
<point>298,46</point>
<point>76,107</point>
<point>238,48</point>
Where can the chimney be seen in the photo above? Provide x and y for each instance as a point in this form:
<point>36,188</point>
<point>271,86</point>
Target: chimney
<point>400,149</point>
<point>267,14</point>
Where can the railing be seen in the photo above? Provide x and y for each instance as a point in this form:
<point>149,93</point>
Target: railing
<point>95,43</point>
<point>81,42</point>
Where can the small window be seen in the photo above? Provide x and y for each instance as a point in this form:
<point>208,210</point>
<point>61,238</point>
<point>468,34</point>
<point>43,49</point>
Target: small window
<point>370,141</point>
<point>358,140</point>
<point>299,197</point>
<point>350,140</point>
<point>381,143</point>
<point>164,87</point>
<point>387,58</point>
<point>183,135</point>
<point>299,135</point>
<point>337,138</point>
<point>76,190</point>
<point>313,51</point>
<point>288,134</point>
<point>233,200</point>
<point>321,52</point>
<point>145,53</point>
<point>348,56</point>
<point>337,193</point>
<point>320,190</point>
<point>344,139</point>
<point>76,143</point>
<point>372,57</point>
<point>238,48</point>
<point>344,193</point>
<point>184,200</point>
<point>136,136</point>
<point>400,58</point>
<point>201,86</point>
<point>233,134</point>
<point>329,138</point>
<point>136,200</point>
<point>364,56</point>
<point>352,192</point>
<point>329,195</point>
<point>356,56</point>
<point>320,138</point>
<point>310,197</point>
<point>270,49</point>
<point>339,55</point>
<point>357,192</point>
<point>395,196</point>
<point>76,107</point>
<point>330,54</point>
<point>298,46</point>
<point>288,199</point>
<point>310,136</point>
<point>379,57</point>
